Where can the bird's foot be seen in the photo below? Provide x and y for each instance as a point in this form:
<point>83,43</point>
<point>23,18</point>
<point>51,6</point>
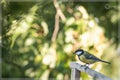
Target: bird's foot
<point>86,66</point>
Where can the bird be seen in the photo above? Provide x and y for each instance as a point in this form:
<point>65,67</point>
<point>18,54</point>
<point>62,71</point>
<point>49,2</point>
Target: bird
<point>87,57</point>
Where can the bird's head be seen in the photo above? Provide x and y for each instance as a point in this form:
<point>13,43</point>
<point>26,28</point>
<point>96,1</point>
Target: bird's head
<point>79,52</point>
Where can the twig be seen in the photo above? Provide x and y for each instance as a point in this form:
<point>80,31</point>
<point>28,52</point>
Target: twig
<point>56,28</point>
<point>94,74</point>
<point>60,13</point>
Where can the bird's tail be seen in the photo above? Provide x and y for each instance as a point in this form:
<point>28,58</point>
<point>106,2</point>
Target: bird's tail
<point>105,61</point>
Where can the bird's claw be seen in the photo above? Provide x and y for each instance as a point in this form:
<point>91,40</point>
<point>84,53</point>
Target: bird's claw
<point>86,66</point>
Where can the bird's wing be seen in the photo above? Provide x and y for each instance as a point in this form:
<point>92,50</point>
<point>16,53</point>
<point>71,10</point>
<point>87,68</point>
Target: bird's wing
<point>90,56</point>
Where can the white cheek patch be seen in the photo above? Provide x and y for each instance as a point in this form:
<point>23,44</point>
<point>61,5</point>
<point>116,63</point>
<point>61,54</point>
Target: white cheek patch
<point>78,53</point>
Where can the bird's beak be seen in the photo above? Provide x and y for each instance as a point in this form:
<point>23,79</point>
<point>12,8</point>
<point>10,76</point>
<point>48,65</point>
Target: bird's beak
<point>74,52</point>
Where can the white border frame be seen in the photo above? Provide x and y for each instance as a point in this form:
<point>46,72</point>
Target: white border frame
<point>106,6</point>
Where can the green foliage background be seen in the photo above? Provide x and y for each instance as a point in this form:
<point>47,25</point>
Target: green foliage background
<point>38,38</point>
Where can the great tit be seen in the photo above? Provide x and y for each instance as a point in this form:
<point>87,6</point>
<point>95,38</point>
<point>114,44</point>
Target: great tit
<point>87,57</point>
